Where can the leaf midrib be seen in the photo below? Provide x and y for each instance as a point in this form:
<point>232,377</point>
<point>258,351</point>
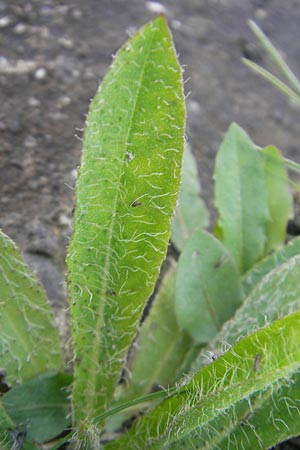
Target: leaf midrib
<point>100,312</point>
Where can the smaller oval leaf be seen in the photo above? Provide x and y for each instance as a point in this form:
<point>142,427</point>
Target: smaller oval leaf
<point>191,213</point>
<point>279,197</point>
<point>241,198</point>
<point>41,405</point>
<point>208,288</point>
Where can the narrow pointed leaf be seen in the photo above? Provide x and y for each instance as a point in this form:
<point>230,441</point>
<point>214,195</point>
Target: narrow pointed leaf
<point>254,276</point>
<point>275,81</point>
<point>191,213</point>
<point>277,295</point>
<point>161,346</point>
<point>275,55</point>
<point>41,406</point>
<point>208,288</point>
<point>126,195</point>
<point>241,198</point>
<point>232,378</point>
<point>279,197</point>
<point>29,342</point>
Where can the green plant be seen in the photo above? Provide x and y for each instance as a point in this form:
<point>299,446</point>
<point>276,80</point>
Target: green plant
<point>238,286</point>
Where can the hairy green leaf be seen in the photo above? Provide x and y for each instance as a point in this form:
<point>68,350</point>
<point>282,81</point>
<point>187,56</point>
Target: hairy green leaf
<point>208,288</point>
<point>161,346</point>
<point>191,213</point>
<point>277,295</point>
<point>266,419</point>
<point>262,268</point>
<point>41,406</point>
<point>126,195</point>
<point>29,342</point>
<point>241,198</point>
<point>279,197</point>
<point>252,365</point>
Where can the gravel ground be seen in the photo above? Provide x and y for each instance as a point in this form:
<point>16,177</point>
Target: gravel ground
<point>54,53</point>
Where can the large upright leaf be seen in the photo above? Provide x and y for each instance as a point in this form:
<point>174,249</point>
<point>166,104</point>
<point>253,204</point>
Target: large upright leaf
<point>241,198</point>
<point>208,288</point>
<point>257,363</point>
<point>29,342</point>
<point>279,197</point>
<point>191,213</point>
<point>126,195</point>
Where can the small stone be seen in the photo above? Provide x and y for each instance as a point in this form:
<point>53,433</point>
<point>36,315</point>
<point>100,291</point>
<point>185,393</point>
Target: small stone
<point>65,221</point>
<point>66,42</point>
<point>193,107</point>
<point>20,28</point>
<point>40,73</point>
<point>176,24</point>
<point>5,21</point>
<point>30,142</point>
<point>156,7</point>
<point>76,13</point>
<point>74,174</point>
<point>64,100</point>
<point>34,102</point>
<point>260,13</point>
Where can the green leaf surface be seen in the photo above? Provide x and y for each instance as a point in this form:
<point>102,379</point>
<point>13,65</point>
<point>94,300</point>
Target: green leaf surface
<point>277,295</point>
<point>29,342</point>
<point>208,288</point>
<point>279,197</point>
<point>251,278</point>
<point>126,195</point>
<point>41,405</point>
<point>161,346</point>
<point>241,198</point>
<point>185,417</point>
<point>16,440</point>
<point>267,419</point>
<point>191,213</point>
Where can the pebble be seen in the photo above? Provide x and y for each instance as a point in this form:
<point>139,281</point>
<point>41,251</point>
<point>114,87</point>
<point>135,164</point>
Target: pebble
<point>34,102</point>
<point>176,24</point>
<point>260,13</point>
<point>20,28</point>
<point>64,100</point>
<point>66,42</point>
<point>65,221</point>
<point>5,21</point>
<point>76,13</point>
<point>193,107</point>
<point>40,73</point>
<point>156,7</point>
<point>30,142</point>
<point>74,174</point>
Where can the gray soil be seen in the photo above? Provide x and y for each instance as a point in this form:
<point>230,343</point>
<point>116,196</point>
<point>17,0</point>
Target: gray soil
<point>54,53</point>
